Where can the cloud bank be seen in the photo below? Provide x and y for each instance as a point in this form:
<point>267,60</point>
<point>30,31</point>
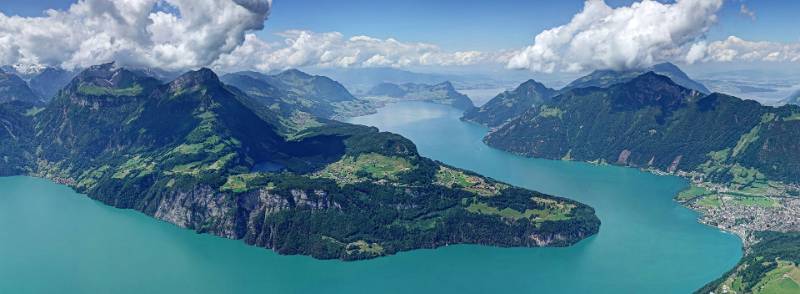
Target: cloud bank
<point>185,34</point>
<point>735,49</point>
<point>635,36</point>
<point>332,49</point>
<point>168,34</point>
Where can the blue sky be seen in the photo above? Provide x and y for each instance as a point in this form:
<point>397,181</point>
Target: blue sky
<point>413,34</point>
<point>498,24</point>
<point>472,25</point>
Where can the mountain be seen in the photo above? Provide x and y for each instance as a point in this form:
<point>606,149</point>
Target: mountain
<point>442,93</point>
<point>294,90</point>
<point>678,76</point>
<point>607,78</point>
<point>203,155</point>
<point>318,88</point>
<point>47,83</point>
<point>652,122</point>
<point>510,104</point>
<point>13,88</point>
<point>16,137</point>
<point>25,72</point>
<point>507,105</point>
<point>362,80</point>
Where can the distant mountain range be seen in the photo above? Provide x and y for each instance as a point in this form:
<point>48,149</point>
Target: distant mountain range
<point>207,156</point>
<point>13,88</point>
<point>361,80</point>
<point>607,78</point>
<point>49,81</point>
<point>442,93</point>
<point>293,90</point>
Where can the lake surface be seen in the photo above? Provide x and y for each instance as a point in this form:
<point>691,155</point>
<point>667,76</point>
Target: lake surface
<point>53,240</point>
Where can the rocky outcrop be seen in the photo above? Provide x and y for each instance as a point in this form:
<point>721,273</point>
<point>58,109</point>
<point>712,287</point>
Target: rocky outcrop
<point>199,209</point>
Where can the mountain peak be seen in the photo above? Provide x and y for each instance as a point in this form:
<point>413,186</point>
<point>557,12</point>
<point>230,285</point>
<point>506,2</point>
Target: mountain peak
<point>608,78</point>
<point>666,66</point>
<point>104,75</point>
<point>110,80</point>
<point>203,76</point>
<point>652,82</point>
<point>294,73</point>
<point>651,89</point>
<point>447,85</point>
<point>13,88</point>
<point>531,83</point>
<point>100,69</point>
<point>651,77</point>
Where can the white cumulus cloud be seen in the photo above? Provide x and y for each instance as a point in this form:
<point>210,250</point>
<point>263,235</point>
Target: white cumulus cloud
<point>168,34</point>
<point>635,36</point>
<point>736,49</point>
<point>301,48</point>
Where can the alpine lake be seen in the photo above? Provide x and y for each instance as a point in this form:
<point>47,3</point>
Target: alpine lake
<point>53,240</point>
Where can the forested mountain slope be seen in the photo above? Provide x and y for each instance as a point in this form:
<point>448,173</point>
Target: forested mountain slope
<point>202,155</point>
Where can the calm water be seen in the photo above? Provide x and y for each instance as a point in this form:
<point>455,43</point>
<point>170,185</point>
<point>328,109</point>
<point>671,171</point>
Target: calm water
<point>53,240</point>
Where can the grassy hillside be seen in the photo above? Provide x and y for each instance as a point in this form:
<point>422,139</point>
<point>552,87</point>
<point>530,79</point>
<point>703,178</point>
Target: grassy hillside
<point>772,266</point>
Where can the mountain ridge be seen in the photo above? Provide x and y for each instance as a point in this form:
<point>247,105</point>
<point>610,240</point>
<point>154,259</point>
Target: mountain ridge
<point>510,104</point>
<point>441,93</point>
<point>192,152</point>
<point>607,78</point>
<point>644,95</point>
<point>293,90</point>
<point>12,88</point>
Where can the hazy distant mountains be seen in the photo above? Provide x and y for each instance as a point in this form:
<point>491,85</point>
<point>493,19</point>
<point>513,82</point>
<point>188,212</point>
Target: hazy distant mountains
<point>47,83</point>
<point>39,85</point>
<point>442,93</point>
<point>361,80</point>
<point>14,88</point>
<point>607,78</point>
<point>293,90</point>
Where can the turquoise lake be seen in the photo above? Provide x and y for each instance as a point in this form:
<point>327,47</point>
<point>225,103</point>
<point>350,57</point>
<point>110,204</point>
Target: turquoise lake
<point>53,240</point>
